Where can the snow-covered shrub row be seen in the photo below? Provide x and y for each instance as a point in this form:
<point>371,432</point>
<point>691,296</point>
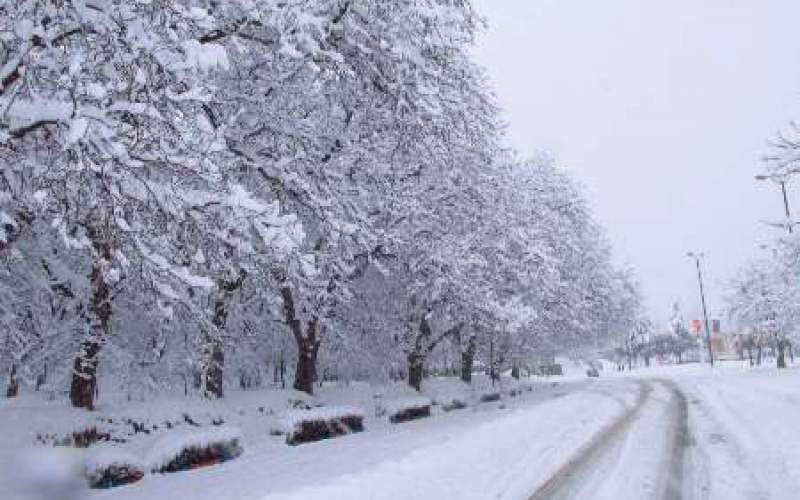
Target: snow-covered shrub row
<point>107,467</point>
<point>192,449</point>
<point>303,426</point>
<point>405,409</point>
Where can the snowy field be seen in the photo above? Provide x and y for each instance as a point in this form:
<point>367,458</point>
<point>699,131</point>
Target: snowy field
<point>663,432</point>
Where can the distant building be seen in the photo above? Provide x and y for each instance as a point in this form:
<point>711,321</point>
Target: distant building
<point>723,346</point>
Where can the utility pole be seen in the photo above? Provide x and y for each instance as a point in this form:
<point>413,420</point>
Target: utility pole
<point>786,207</point>
<point>697,257</point>
<point>782,182</point>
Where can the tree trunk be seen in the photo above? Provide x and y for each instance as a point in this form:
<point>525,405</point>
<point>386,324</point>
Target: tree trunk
<point>215,355</point>
<point>214,370</point>
<point>84,371</point>
<point>515,370</point>
<point>758,355</point>
<point>84,376</point>
<point>41,379</point>
<point>306,371</point>
<point>467,360</point>
<point>307,345</point>
<point>13,383</point>
<point>492,375</point>
<point>781,359</point>
<point>415,364</point>
<point>750,354</point>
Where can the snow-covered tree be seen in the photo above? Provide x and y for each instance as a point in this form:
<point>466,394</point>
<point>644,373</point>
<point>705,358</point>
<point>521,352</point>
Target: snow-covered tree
<point>108,124</point>
<point>192,191</point>
<point>764,299</point>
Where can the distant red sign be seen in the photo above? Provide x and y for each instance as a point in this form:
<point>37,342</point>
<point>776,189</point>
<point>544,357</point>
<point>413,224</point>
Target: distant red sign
<point>697,325</point>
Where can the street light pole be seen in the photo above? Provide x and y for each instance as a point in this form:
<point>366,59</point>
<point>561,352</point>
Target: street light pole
<point>786,206</point>
<point>782,182</point>
<point>697,258</point>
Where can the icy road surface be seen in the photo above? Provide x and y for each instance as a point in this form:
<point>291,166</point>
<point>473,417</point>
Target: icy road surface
<point>665,433</point>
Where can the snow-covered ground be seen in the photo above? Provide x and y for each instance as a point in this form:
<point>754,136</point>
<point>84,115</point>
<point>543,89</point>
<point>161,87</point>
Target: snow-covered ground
<point>663,432</point>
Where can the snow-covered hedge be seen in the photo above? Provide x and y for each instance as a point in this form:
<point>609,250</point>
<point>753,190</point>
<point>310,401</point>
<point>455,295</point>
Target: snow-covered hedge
<point>107,467</point>
<point>454,404</point>
<point>193,449</point>
<point>403,410</point>
<point>304,426</point>
<point>488,397</point>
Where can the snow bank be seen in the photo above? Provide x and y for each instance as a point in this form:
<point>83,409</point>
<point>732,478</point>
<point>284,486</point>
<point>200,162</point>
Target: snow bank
<point>187,450</point>
<point>43,473</point>
<point>303,426</point>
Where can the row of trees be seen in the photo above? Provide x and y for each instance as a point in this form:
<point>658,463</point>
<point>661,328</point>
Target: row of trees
<point>643,341</point>
<point>194,193</point>
<point>764,298</point>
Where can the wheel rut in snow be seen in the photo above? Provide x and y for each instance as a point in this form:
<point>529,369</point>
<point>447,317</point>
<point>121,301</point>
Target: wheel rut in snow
<point>561,482</point>
<point>596,461</point>
<point>676,483</point>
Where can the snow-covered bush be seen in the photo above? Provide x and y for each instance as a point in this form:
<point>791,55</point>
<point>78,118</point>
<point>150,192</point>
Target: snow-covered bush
<point>403,410</point>
<point>449,393</point>
<point>200,448</point>
<point>454,404</point>
<point>489,397</point>
<point>305,426</point>
<point>107,467</point>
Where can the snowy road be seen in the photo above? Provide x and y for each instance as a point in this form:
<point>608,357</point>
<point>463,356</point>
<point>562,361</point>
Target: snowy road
<point>691,433</point>
<point>641,453</point>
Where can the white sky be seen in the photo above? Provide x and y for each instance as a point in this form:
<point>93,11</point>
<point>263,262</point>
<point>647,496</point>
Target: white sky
<point>662,109</point>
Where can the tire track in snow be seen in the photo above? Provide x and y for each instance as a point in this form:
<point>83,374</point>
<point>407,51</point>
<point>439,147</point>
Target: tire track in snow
<point>676,486</point>
<point>563,480</point>
<point>516,475</point>
<point>600,458</point>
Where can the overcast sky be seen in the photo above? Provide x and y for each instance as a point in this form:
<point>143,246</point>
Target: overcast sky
<point>661,108</point>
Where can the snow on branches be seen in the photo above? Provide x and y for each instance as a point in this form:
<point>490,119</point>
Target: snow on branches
<point>191,191</point>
